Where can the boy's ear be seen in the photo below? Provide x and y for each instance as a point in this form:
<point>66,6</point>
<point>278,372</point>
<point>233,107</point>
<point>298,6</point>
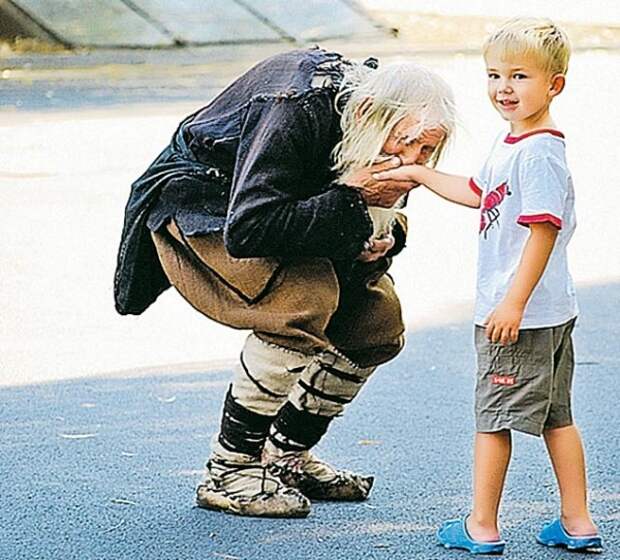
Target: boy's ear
<point>363,107</point>
<point>558,81</point>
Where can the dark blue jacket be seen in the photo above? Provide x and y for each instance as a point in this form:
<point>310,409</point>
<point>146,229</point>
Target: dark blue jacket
<point>255,163</point>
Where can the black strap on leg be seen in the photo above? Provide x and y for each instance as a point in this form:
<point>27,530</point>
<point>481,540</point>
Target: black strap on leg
<point>297,430</point>
<point>242,430</point>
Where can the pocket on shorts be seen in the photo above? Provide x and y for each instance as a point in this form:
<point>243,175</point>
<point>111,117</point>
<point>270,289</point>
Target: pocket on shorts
<point>515,379</point>
<point>521,359</point>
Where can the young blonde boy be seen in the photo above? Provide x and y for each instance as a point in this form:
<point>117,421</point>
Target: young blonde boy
<point>525,304</point>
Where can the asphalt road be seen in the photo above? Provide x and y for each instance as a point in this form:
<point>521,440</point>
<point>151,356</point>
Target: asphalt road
<point>106,468</point>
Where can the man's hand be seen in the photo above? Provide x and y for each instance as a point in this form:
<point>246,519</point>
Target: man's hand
<point>378,193</point>
<point>502,325</point>
<point>376,248</point>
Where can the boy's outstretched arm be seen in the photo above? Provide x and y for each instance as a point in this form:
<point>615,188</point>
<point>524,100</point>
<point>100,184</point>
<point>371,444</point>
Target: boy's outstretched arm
<point>503,323</point>
<point>454,188</point>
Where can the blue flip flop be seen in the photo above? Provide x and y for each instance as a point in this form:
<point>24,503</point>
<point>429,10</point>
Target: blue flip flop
<point>554,534</point>
<point>453,534</point>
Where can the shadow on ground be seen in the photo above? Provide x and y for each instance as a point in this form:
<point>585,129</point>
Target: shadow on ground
<point>107,468</point>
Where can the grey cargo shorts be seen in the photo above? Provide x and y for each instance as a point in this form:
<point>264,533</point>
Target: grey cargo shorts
<point>525,386</point>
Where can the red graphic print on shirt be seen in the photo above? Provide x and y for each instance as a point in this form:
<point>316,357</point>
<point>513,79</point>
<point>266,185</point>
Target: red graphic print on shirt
<point>489,213</point>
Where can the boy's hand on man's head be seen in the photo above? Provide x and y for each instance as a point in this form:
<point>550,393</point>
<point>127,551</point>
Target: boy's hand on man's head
<point>502,325</point>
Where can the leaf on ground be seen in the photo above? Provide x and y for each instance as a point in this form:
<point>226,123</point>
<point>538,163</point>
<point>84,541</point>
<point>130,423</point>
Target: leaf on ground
<point>123,502</point>
<point>77,436</point>
<point>191,472</point>
<point>369,442</point>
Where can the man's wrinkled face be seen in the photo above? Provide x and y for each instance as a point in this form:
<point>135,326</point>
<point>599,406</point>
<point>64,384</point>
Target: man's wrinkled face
<point>404,143</point>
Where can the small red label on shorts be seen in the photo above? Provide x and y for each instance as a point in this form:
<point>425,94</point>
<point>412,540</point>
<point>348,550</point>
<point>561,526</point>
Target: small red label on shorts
<point>503,379</point>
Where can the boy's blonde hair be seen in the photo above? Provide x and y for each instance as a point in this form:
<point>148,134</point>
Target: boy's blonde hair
<point>378,99</point>
<point>538,37</point>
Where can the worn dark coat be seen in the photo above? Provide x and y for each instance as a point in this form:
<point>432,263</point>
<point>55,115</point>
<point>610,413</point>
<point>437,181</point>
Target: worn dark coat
<point>255,163</point>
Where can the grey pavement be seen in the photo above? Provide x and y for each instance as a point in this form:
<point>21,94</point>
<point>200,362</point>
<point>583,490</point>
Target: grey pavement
<point>106,468</point>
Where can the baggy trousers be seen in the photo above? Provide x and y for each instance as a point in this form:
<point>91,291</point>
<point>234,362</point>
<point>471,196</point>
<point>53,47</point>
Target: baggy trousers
<point>296,304</point>
<point>297,311</point>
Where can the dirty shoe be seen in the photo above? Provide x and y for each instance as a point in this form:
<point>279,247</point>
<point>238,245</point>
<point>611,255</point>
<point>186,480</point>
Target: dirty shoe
<point>247,488</point>
<point>314,478</point>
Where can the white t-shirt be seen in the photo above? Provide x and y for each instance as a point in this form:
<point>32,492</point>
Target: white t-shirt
<point>525,180</point>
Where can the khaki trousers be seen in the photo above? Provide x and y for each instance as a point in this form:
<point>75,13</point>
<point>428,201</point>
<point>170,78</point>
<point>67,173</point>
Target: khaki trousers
<point>296,304</point>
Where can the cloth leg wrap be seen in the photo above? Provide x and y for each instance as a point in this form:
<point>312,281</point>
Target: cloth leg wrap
<point>266,375</point>
<point>328,383</point>
<point>241,430</point>
<point>325,386</point>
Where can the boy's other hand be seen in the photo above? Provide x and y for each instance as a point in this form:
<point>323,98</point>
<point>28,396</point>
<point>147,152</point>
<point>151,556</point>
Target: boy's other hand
<point>502,325</point>
<point>378,193</point>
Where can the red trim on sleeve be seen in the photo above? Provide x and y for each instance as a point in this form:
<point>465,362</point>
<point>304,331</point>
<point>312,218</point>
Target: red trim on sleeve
<point>539,219</point>
<point>474,187</point>
<point>514,139</point>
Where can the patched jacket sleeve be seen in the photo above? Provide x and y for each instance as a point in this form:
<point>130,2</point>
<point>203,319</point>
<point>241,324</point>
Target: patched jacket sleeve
<point>269,213</point>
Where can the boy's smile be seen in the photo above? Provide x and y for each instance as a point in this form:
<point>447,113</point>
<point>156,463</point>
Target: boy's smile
<point>521,91</point>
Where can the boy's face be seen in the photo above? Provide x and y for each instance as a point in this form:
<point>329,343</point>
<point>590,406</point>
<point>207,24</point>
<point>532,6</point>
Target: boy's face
<point>520,90</point>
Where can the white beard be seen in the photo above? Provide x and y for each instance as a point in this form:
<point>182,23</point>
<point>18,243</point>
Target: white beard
<point>383,219</point>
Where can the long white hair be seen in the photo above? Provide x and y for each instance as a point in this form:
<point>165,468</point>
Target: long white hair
<point>376,100</point>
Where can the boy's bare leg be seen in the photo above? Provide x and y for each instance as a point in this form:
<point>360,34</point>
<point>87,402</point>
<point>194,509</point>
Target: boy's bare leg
<point>491,458</point>
<point>567,457</point>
